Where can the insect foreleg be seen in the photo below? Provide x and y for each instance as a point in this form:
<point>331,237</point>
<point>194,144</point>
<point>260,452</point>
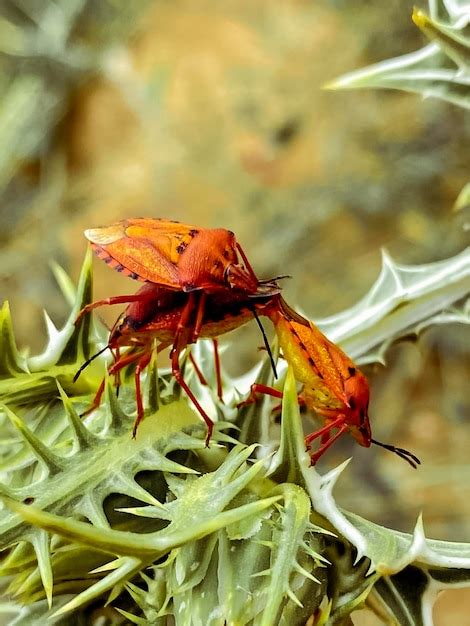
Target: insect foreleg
<point>246,262</point>
<point>323,448</point>
<point>136,297</point>
<point>125,360</point>
<point>256,389</point>
<point>338,422</point>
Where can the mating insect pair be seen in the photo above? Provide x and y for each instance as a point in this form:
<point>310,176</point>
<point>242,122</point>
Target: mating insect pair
<point>196,287</point>
<point>189,271</point>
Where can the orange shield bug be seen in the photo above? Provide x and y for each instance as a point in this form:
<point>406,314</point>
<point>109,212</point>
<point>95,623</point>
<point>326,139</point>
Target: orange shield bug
<point>333,386</point>
<point>175,255</point>
<point>180,257</point>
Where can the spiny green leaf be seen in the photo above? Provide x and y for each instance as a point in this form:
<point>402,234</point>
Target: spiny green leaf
<point>440,70</point>
<point>90,473</point>
<point>78,344</point>
<point>71,344</point>
<point>454,45</point>
<point>285,467</point>
<point>40,543</point>
<point>287,541</point>
<point>51,461</point>
<point>389,550</point>
<point>409,595</point>
<point>128,567</point>
<point>201,511</point>
<point>10,361</point>
<point>463,199</point>
<point>401,297</point>
<point>83,437</point>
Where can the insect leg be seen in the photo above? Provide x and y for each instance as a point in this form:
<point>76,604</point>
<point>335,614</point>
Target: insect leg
<point>113,370</point>
<point>96,400</point>
<point>218,373</point>
<point>246,262</point>
<point>199,317</point>
<point>175,368</point>
<point>323,448</point>
<point>200,375</point>
<point>256,389</point>
<point>163,345</point>
<point>126,359</point>
<point>197,369</point>
<point>117,376</point>
<point>141,365</point>
<point>338,422</point>
<point>136,297</point>
<point>183,324</point>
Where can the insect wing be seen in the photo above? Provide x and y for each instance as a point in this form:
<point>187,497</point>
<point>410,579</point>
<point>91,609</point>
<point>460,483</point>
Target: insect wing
<point>322,377</point>
<point>145,249</point>
<point>321,355</point>
<point>328,360</point>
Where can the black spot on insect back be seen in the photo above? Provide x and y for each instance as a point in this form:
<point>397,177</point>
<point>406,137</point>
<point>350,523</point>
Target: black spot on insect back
<point>352,371</point>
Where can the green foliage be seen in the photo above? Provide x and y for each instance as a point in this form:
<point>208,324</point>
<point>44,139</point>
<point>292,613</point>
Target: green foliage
<point>53,59</point>
<point>162,527</point>
<point>440,70</point>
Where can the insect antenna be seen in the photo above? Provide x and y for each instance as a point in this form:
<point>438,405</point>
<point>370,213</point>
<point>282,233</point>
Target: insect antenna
<point>265,339</point>
<point>407,456</point>
<point>87,363</point>
<point>268,281</point>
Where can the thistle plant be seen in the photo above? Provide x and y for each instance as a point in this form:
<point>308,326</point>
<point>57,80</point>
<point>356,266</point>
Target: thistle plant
<point>161,527</point>
<point>441,69</point>
<point>163,530</point>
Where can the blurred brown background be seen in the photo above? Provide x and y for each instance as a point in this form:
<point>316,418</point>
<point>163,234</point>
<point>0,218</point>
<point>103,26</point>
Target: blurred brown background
<point>213,113</point>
